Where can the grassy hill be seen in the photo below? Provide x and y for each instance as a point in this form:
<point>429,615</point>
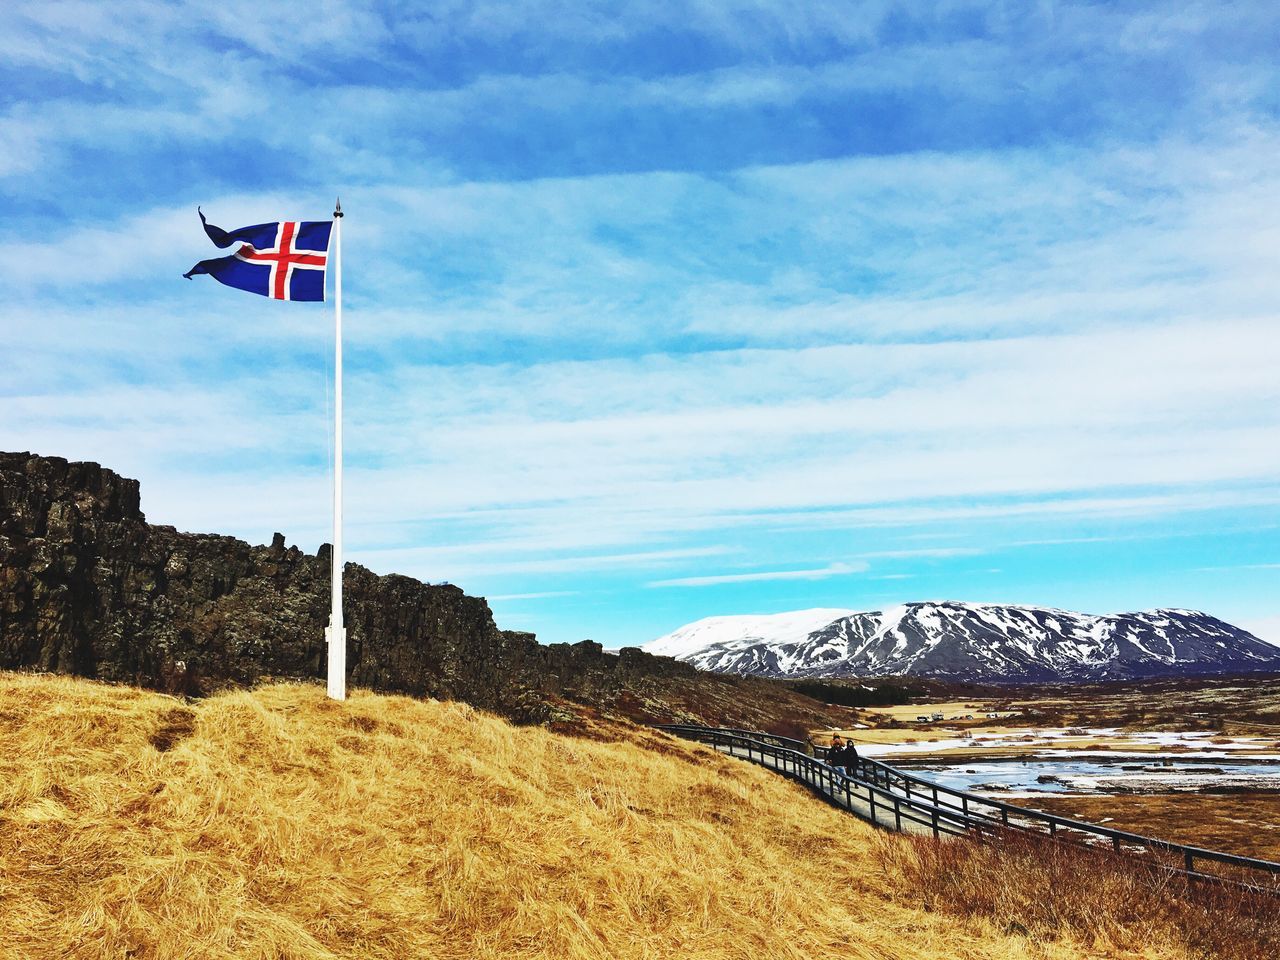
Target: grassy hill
<point>274,823</point>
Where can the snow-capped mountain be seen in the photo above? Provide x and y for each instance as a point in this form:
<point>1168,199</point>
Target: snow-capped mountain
<point>970,641</point>
<point>745,631</point>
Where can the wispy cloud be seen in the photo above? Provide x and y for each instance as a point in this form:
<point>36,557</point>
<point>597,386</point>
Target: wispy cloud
<point>820,573</point>
<point>637,290</point>
<point>544,595</point>
<point>937,552</point>
<point>1244,566</point>
<point>585,564</point>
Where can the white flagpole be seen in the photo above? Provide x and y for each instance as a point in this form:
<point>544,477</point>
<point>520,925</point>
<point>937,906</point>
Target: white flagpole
<point>336,633</point>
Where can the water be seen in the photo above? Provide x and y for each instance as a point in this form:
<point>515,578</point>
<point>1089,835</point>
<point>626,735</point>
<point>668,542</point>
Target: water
<point>1061,775</point>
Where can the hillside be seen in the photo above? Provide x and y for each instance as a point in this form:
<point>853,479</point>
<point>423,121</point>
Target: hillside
<point>277,823</point>
<point>1002,643</point>
<point>90,587</point>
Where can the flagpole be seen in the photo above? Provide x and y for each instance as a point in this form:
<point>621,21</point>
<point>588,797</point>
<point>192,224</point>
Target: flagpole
<point>336,633</point>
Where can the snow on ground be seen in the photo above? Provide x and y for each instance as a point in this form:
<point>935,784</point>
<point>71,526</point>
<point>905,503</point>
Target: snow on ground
<point>1057,760</point>
<point>1107,741</point>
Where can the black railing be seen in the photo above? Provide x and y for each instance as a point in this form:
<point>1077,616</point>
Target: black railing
<point>870,801</point>
<point>888,797</point>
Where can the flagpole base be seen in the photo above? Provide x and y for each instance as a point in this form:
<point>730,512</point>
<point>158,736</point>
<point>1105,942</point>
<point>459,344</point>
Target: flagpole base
<point>337,643</point>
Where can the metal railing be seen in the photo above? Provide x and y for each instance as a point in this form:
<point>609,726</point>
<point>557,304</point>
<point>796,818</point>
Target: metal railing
<point>870,801</point>
<point>889,797</point>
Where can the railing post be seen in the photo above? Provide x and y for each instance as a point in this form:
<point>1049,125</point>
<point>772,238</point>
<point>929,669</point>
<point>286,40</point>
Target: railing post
<point>871,795</point>
<point>935,823</point>
<point>1187,860</point>
<point>897,814</point>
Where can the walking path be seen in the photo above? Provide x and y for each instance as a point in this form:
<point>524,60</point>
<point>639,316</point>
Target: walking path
<point>875,805</point>
<point>896,800</point>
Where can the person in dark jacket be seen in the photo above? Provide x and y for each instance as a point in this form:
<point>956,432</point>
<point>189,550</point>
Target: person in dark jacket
<point>835,751</point>
<point>842,755</point>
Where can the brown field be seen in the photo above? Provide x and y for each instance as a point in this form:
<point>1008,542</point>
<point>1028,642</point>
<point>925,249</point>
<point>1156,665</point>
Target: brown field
<point>1241,708</point>
<point>1046,891</point>
<point>713,699</point>
<point>1240,704</point>
<point>949,708</point>
<point>1247,824</point>
<point>275,823</point>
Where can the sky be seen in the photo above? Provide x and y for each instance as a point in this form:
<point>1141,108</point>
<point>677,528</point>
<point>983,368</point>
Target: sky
<point>660,311</point>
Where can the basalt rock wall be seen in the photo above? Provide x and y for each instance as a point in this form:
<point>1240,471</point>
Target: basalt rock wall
<point>88,587</point>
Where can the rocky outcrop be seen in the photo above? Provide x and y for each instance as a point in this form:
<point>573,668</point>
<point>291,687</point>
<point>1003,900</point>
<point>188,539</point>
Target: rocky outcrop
<point>88,587</point>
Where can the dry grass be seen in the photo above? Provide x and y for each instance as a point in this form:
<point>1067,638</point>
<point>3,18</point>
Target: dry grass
<point>1242,705</point>
<point>909,711</point>
<point>278,824</point>
<point>1047,891</point>
<point>1247,824</point>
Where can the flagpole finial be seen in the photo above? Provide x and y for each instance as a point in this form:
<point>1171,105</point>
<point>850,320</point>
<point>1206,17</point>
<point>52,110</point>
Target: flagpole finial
<point>337,207</point>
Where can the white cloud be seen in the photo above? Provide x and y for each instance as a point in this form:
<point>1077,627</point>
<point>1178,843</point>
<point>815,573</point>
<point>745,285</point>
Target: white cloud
<point>590,454</point>
<point>646,370</point>
<point>819,573</point>
<point>419,560</point>
<point>544,595</point>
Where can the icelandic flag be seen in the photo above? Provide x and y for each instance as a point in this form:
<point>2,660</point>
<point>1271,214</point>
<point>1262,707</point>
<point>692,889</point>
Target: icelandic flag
<point>283,261</point>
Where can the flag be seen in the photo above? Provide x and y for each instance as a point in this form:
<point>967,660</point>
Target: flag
<point>283,261</point>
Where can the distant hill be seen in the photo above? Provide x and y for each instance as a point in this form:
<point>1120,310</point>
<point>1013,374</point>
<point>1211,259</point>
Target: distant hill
<point>971,642</point>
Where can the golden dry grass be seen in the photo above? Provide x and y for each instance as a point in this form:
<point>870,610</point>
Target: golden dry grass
<point>1048,890</point>
<point>1247,824</point>
<point>277,824</point>
<point>949,708</point>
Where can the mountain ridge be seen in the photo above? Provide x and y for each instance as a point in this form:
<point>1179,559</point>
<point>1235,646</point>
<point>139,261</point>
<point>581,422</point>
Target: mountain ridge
<point>961,640</point>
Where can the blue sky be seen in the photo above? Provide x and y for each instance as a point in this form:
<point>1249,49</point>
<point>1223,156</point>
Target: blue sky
<point>658,311</point>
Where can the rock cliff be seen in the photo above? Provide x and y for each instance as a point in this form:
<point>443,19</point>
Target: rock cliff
<point>88,587</point>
